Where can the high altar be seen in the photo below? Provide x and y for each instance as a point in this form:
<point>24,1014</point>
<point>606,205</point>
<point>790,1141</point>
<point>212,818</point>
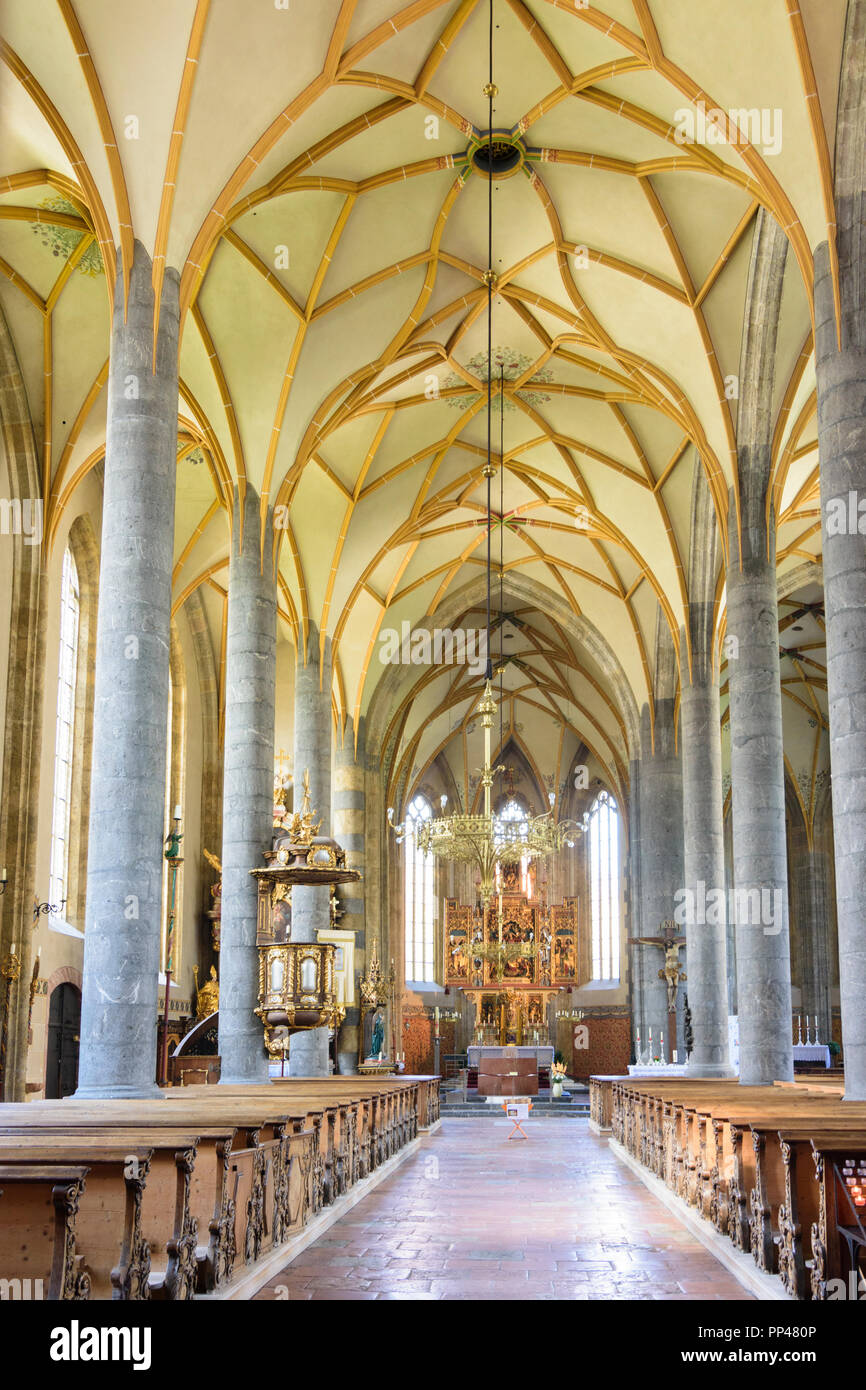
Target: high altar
<point>511,959</point>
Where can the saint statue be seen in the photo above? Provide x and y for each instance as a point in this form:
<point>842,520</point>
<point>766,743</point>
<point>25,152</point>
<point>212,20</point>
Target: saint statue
<point>207,998</point>
<point>378,1043</point>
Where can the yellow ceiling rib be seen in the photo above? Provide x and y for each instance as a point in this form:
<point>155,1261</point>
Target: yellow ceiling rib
<point>58,496</point>
<point>199,531</point>
<point>822,151</point>
<point>109,139</point>
<point>9,212</point>
<point>347,516</point>
<point>225,397</point>
<point>440,48</point>
<point>21,284</point>
<point>55,121</point>
<point>169,183</point>
<point>648,30</point>
<point>219,469</point>
<point>290,607</point>
<point>403,19</point>
<point>232,239</point>
<point>543,43</point>
<point>727,251</point>
<point>196,583</point>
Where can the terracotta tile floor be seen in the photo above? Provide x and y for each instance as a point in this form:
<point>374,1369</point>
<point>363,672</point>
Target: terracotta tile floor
<point>473,1216</point>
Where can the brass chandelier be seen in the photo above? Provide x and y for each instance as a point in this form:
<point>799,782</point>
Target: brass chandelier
<point>487,841</point>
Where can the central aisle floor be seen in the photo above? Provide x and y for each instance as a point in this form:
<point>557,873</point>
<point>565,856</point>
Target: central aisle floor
<point>472,1215</point>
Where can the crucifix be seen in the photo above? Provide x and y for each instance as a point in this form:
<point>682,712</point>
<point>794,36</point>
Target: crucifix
<point>284,764</point>
<point>672,972</point>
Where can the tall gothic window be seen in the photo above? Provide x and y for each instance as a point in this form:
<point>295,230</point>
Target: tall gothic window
<point>64,737</point>
<point>515,811</point>
<point>420,899</point>
<point>604,886</point>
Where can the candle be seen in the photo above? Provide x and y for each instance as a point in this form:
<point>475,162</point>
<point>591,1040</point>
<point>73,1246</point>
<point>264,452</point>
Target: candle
<point>3,875</point>
<point>178,811</point>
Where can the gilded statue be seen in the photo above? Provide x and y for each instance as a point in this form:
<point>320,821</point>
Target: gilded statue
<point>302,827</point>
<point>207,998</point>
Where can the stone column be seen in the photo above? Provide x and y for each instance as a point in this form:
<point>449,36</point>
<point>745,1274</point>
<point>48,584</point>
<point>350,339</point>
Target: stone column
<point>349,814</point>
<point>841,408</point>
<point>127,796</point>
<point>754,689</point>
<point>248,786</point>
<point>809,890</point>
<point>308,1054</point>
<point>758,797</point>
<point>661,860</point>
<point>632,919</point>
<point>704,867</point>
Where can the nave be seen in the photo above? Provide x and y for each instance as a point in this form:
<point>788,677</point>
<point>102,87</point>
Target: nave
<point>470,1216</point>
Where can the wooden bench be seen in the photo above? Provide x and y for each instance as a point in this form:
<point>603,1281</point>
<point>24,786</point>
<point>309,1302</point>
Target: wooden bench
<point>256,1174</point>
<point>38,1205</point>
<point>103,1218</point>
<point>741,1157</point>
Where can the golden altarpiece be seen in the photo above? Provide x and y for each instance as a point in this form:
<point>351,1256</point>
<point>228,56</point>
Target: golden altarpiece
<point>512,958</point>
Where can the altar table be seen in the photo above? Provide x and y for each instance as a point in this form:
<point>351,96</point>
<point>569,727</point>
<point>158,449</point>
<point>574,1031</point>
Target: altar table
<point>543,1055</point>
<point>815,1052</point>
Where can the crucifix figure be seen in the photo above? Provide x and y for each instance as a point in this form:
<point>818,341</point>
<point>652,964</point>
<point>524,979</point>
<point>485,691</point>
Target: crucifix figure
<point>672,972</point>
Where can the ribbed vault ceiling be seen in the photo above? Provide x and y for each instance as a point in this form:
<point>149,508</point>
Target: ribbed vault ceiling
<point>305,171</point>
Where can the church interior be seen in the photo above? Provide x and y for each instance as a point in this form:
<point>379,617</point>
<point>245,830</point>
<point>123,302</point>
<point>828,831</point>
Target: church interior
<point>433,650</point>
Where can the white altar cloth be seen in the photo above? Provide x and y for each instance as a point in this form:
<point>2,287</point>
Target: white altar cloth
<point>816,1052</point>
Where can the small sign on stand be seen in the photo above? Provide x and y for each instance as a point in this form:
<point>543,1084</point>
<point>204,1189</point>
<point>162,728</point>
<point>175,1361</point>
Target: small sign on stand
<point>517,1110</point>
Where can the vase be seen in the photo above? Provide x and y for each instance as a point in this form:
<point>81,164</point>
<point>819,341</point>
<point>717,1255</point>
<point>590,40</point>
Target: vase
<point>556,1090</point>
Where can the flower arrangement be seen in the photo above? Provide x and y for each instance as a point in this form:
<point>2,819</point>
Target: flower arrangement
<point>558,1073</point>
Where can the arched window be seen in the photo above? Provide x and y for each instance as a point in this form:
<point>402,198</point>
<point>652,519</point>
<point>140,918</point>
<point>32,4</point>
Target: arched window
<point>604,886</point>
<point>419,900</point>
<point>515,812</point>
<point>64,738</point>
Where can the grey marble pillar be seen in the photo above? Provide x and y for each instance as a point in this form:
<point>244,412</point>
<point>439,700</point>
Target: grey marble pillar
<point>704,869</point>
<point>841,414</point>
<point>308,1052</point>
<point>248,787</point>
<point>633,918</point>
<point>127,794</point>
<point>349,827</point>
<point>758,797</point>
<point>841,369</point>
<point>661,861</point>
<point>809,892</point>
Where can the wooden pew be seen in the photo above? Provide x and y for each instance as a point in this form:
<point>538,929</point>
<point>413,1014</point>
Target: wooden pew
<point>737,1154</point>
<point>38,1205</point>
<point>257,1173</point>
<point>103,1235</point>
